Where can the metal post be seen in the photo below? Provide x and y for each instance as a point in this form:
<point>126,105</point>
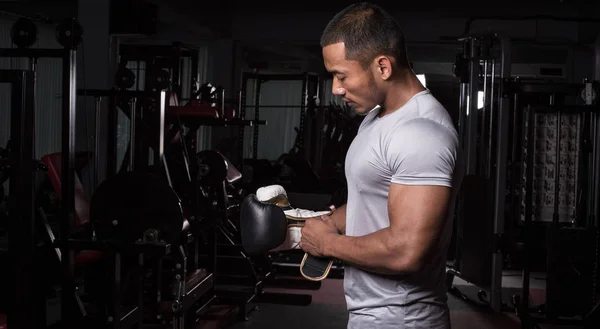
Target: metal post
<point>303,110</point>
<point>69,90</point>
<point>22,238</point>
<point>500,172</point>
<point>256,117</point>
<point>242,116</point>
<point>471,113</point>
<point>111,129</point>
<point>222,103</point>
<point>486,129</point>
<point>161,135</point>
<point>530,160</point>
<point>98,111</point>
<point>596,144</point>
<point>491,114</point>
<point>132,132</point>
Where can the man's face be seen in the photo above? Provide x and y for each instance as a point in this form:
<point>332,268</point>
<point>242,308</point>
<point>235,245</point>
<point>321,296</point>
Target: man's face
<point>356,85</point>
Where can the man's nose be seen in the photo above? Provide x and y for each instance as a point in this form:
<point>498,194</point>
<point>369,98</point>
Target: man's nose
<point>336,90</point>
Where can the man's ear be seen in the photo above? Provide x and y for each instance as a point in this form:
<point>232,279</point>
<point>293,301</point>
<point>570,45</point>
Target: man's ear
<point>383,65</point>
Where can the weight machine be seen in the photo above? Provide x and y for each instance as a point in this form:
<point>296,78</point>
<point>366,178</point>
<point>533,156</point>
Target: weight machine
<point>527,145</point>
<point>182,289</point>
<point>310,100</point>
<point>160,67</point>
<point>26,289</point>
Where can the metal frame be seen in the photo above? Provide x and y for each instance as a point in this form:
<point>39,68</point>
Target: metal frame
<point>588,112</point>
<point>494,127</point>
<point>187,295</point>
<point>500,172</point>
<point>69,63</point>
<point>260,78</point>
<point>22,237</point>
<point>176,51</point>
<point>111,140</point>
<point>493,130</point>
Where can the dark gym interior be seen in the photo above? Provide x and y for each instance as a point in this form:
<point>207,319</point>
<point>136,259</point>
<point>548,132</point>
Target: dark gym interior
<point>132,132</point>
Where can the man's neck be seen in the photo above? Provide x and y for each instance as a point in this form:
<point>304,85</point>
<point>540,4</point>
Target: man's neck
<point>400,92</point>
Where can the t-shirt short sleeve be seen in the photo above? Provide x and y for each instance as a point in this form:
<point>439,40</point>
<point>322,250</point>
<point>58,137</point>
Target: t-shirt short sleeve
<point>422,152</point>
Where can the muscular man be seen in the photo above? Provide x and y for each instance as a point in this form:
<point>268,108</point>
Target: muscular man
<point>403,176</point>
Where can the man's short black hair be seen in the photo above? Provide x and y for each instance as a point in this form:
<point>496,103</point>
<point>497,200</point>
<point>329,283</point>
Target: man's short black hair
<point>367,31</point>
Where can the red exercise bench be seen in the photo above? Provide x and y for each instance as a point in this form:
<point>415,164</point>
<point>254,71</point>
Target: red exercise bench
<point>82,206</point>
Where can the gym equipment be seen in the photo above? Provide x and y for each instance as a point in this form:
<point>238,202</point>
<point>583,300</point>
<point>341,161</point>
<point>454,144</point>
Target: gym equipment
<point>69,33</point>
<point>137,205</point>
<point>160,80</point>
<point>523,145</point>
<point>125,78</point>
<point>209,94</point>
<point>311,85</point>
<point>24,33</point>
<point>141,208</point>
<point>4,164</point>
<point>171,67</point>
<point>27,308</point>
<point>269,222</point>
<point>141,204</point>
<point>477,260</point>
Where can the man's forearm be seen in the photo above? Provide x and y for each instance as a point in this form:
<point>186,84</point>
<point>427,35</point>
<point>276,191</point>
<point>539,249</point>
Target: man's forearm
<point>372,252</point>
<point>339,218</point>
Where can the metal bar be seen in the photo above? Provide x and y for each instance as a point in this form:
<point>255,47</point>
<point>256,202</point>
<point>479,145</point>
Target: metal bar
<point>595,214</point>
<point>161,124</point>
<point>462,105</point>
<point>111,129</point>
<point>33,53</point>
<point>22,238</point>
<point>95,92</point>
<point>97,121</point>
<point>278,77</point>
<point>176,69</point>
<point>282,106</point>
<point>471,114</point>
<point>566,108</point>
<point>596,172</point>
<point>556,215</point>
<point>152,51</point>
<point>115,309</point>
<point>256,117</point>
<point>485,113</point>
<point>161,143</point>
<point>318,132</point>
<point>516,162</point>
<point>68,184</point>
<point>545,88</point>
<point>524,307</point>
<point>132,132</point>
<point>491,114</point>
<point>110,92</point>
<point>500,173</point>
<point>242,116</point>
<point>303,108</point>
<point>222,103</point>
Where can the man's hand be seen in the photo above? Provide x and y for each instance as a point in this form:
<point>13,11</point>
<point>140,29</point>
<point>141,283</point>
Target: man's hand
<point>316,233</point>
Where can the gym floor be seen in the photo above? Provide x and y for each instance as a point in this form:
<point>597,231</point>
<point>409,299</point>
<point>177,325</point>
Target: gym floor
<point>328,309</point>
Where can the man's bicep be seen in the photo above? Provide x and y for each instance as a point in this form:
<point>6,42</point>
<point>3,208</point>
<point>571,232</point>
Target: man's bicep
<point>418,215</point>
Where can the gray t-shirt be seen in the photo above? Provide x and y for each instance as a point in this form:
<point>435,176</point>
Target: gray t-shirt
<point>415,145</point>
